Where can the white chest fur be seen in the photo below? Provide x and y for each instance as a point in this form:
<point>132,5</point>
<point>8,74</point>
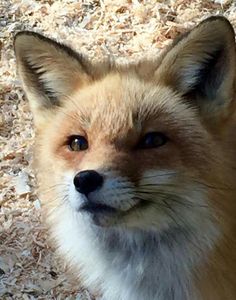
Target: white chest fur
<point>131,265</point>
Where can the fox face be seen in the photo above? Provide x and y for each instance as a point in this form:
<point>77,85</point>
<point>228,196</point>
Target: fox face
<point>123,159</point>
<point>136,148</point>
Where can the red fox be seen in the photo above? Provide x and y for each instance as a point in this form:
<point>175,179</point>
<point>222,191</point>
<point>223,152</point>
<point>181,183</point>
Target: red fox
<point>136,164</point>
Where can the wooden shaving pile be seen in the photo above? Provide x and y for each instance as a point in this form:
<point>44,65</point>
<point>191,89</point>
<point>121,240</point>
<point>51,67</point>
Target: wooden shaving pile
<point>125,29</point>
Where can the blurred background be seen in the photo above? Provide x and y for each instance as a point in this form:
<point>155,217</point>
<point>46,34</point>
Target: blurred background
<point>124,29</point>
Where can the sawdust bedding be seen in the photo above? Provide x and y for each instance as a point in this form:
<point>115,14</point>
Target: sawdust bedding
<point>126,29</point>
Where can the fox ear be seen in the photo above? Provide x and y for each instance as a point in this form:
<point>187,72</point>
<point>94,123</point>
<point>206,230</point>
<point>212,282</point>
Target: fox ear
<point>201,65</point>
<point>49,71</point>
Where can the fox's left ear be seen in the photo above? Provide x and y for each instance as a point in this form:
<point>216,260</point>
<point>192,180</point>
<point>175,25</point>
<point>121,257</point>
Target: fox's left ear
<point>201,66</point>
<point>49,71</point>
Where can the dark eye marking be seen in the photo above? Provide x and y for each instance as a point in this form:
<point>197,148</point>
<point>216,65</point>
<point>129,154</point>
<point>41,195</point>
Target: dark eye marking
<point>152,140</point>
<point>77,143</point>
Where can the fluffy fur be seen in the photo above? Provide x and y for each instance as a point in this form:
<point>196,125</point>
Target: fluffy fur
<point>173,235</point>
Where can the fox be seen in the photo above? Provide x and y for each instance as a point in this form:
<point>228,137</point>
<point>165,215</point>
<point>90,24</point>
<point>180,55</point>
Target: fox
<point>136,163</point>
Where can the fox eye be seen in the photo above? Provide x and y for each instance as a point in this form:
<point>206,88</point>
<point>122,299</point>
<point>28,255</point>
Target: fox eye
<point>153,140</point>
<point>77,143</point>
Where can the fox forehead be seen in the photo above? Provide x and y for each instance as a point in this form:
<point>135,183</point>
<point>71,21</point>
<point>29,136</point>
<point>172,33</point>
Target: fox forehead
<point>119,102</point>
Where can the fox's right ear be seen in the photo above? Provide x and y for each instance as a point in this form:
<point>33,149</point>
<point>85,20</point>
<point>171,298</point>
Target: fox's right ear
<point>49,71</point>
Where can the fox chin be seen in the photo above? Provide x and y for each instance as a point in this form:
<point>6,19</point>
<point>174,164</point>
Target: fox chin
<point>136,164</point>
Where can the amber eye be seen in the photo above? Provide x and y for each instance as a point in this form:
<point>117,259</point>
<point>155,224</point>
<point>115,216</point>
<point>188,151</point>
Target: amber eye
<point>77,143</point>
<point>153,140</point>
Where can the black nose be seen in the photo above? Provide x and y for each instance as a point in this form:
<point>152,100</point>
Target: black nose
<point>87,181</point>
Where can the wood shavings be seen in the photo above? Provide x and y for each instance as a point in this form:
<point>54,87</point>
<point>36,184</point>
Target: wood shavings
<point>21,184</point>
<point>125,29</point>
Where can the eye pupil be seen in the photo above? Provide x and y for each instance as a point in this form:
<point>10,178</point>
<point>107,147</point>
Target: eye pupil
<point>153,140</point>
<point>77,143</point>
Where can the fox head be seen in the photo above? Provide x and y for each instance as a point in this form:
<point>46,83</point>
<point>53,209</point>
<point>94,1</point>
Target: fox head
<point>139,145</point>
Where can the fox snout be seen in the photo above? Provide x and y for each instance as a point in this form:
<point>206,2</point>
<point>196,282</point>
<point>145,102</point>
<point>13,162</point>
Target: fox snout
<point>103,195</point>
<point>87,182</point>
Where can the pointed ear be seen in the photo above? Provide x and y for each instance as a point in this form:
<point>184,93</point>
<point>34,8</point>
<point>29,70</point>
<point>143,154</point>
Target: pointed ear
<point>201,65</point>
<point>49,71</point>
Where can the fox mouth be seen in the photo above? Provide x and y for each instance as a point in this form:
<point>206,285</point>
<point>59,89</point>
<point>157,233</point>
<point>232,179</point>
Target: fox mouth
<point>104,215</point>
<point>95,208</point>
